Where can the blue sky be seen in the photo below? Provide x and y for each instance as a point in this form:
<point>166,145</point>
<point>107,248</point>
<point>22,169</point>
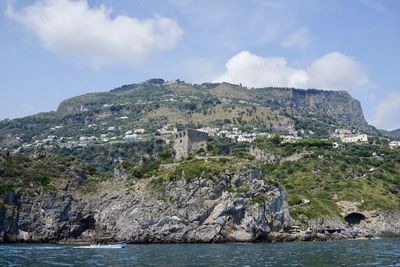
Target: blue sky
<point>54,49</point>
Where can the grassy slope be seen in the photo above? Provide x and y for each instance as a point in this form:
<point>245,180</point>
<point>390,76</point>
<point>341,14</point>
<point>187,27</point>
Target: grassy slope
<point>326,176</point>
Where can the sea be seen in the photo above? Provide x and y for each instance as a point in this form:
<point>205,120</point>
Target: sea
<point>382,252</point>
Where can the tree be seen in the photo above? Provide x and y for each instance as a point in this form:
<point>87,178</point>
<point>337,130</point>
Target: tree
<point>276,139</point>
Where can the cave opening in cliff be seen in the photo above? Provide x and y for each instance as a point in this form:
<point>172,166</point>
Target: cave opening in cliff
<point>354,218</point>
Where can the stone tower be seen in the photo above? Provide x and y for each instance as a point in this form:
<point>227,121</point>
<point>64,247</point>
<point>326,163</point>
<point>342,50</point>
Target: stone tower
<point>187,140</point>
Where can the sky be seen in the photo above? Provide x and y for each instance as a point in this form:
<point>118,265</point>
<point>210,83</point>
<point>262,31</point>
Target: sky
<point>51,50</point>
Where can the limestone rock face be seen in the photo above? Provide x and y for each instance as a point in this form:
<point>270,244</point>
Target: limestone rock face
<point>336,104</point>
<point>231,207</point>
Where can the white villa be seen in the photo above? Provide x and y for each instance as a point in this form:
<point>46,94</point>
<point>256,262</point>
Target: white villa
<point>394,144</point>
<point>354,138</point>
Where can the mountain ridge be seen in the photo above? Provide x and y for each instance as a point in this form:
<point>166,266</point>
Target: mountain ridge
<point>155,103</point>
<point>317,101</point>
<point>392,134</point>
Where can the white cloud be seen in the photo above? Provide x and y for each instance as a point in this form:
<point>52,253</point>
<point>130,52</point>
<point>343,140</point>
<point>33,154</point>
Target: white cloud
<point>73,28</point>
<point>300,38</point>
<point>333,71</point>
<point>255,71</point>
<point>387,112</point>
<point>337,71</point>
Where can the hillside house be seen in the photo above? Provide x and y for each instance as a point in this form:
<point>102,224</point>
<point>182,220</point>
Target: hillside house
<point>354,138</point>
<point>130,137</point>
<point>342,132</point>
<point>210,131</point>
<point>188,140</point>
<point>139,131</point>
<point>394,144</point>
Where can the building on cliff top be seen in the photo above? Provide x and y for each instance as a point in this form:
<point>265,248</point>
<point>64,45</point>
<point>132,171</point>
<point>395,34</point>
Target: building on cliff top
<point>188,140</point>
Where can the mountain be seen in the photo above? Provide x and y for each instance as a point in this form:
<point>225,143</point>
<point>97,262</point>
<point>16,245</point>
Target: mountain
<point>393,134</point>
<point>103,166</point>
<point>339,107</point>
<point>155,103</point>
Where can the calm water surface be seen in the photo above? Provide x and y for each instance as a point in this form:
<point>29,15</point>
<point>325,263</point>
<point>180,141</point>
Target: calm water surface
<point>383,252</point>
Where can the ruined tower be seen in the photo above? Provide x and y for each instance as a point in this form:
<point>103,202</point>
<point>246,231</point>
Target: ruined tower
<point>187,140</point>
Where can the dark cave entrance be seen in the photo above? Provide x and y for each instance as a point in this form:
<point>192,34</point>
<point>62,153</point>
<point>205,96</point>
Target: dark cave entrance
<point>354,218</point>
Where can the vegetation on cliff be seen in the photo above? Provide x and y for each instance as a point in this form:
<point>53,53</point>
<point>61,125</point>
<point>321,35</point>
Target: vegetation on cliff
<point>308,170</point>
<point>365,174</point>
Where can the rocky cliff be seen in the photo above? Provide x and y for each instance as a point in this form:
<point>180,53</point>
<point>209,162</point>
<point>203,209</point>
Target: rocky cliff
<point>332,104</point>
<point>206,210</point>
<point>201,211</point>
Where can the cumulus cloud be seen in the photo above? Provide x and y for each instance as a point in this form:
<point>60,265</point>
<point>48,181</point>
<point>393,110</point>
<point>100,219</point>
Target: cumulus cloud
<point>337,71</point>
<point>300,38</point>
<point>73,28</point>
<point>387,112</point>
<point>255,71</point>
<point>333,71</point>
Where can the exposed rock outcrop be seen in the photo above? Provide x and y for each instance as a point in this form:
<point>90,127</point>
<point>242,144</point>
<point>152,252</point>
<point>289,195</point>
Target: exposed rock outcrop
<point>335,104</point>
<point>232,207</point>
<point>237,206</point>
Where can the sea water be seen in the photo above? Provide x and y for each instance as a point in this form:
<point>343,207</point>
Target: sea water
<point>383,252</point>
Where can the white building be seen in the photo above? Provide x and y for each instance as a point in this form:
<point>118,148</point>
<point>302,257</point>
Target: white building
<point>83,139</point>
<point>290,138</point>
<point>139,131</point>
<point>342,132</point>
<point>394,144</point>
<point>354,138</point>
<point>130,137</point>
<point>209,130</point>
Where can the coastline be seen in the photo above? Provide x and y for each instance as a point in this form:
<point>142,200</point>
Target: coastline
<point>272,238</point>
<point>205,210</point>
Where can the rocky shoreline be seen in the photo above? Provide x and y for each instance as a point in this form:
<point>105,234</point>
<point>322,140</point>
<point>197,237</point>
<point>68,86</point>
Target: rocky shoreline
<point>235,207</point>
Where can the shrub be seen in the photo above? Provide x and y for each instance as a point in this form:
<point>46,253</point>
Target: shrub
<point>294,200</point>
<point>259,199</point>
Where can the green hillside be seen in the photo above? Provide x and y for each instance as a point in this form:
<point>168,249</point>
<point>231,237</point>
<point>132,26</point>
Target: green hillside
<point>368,175</point>
<point>155,103</point>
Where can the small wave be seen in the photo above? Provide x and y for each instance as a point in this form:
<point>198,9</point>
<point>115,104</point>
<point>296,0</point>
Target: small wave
<point>47,247</point>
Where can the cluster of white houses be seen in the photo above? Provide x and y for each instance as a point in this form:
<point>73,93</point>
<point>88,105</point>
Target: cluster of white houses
<point>188,139</point>
<point>238,135</point>
<point>70,142</point>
